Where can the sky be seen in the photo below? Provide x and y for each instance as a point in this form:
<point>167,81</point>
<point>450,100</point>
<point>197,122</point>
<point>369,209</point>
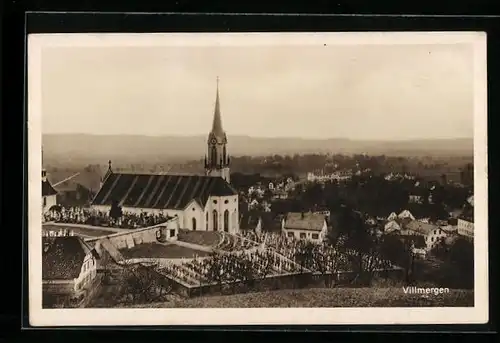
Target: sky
<point>380,92</point>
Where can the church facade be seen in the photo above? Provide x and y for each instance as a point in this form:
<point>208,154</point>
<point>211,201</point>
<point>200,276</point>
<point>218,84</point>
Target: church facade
<point>201,202</point>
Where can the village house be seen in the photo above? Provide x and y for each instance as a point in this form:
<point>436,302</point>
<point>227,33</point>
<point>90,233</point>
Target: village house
<point>255,191</point>
<point>324,212</point>
<point>415,199</point>
<point>392,216</point>
<point>433,234</point>
<point>254,204</point>
<point>340,175</point>
<point>392,226</point>
<point>49,194</point>
<point>280,194</point>
<point>449,229</point>
<point>309,226</point>
<point>405,214</point>
<point>68,267</point>
<point>465,227</point>
<point>75,189</point>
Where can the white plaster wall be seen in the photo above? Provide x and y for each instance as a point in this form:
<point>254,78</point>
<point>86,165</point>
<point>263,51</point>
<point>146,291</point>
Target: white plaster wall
<point>50,201</point>
<point>308,234</point>
<point>193,210</point>
<point>465,228</point>
<point>89,268</point>
<point>219,204</point>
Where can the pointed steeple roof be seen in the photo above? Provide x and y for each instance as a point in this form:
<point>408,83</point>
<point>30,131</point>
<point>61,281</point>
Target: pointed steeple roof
<point>217,122</point>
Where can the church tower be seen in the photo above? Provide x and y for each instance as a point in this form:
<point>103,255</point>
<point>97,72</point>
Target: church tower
<point>217,159</point>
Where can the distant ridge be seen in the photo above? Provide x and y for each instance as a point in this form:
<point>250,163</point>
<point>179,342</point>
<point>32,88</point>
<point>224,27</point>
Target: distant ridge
<point>104,147</point>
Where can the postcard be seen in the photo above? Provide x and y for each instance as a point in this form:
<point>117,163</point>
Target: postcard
<point>257,178</point>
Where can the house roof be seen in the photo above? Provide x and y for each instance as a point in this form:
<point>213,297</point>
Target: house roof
<point>47,189</point>
<point>449,228</point>
<point>88,179</point>
<point>405,214</point>
<point>392,225</point>
<point>393,215</point>
<point>63,257</point>
<point>421,228</point>
<point>304,221</point>
<point>467,214</point>
<point>160,191</point>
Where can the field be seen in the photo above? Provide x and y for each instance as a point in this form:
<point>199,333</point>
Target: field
<point>323,297</point>
<point>84,232</point>
<point>161,251</point>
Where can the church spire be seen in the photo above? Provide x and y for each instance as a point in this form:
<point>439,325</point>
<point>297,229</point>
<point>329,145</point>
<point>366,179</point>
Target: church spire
<point>217,122</point>
<point>216,162</point>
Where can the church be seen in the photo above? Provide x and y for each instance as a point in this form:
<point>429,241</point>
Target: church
<point>201,202</point>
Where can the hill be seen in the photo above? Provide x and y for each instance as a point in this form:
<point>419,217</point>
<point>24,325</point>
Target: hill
<point>98,148</point>
<point>324,297</point>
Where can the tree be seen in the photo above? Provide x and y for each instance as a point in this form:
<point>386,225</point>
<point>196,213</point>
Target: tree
<point>361,243</point>
<point>398,249</point>
<point>462,259</point>
<point>142,284</point>
<point>116,210</point>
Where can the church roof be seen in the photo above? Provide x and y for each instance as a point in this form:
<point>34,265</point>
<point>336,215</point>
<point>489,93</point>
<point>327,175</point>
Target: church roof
<point>47,189</point>
<point>160,191</point>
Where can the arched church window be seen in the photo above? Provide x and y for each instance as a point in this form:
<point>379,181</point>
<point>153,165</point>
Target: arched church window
<point>215,220</point>
<point>226,201</point>
<point>206,221</point>
<point>194,224</point>
<point>224,153</point>
<point>226,220</point>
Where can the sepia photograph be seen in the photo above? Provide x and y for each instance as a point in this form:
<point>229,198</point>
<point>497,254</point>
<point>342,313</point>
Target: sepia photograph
<point>257,178</point>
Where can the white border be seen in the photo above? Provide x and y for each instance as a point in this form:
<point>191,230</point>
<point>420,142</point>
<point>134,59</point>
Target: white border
<point>243,316</point>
